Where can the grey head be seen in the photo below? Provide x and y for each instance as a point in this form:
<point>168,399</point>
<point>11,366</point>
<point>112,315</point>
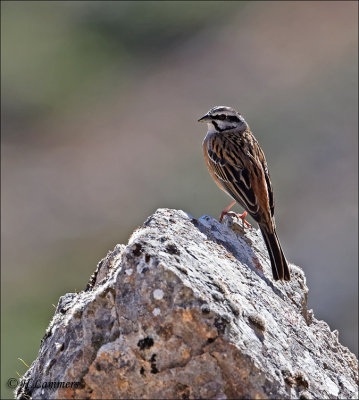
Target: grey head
<point>221,118</point>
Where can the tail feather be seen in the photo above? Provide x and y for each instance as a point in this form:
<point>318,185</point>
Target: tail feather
<point>279,264</point>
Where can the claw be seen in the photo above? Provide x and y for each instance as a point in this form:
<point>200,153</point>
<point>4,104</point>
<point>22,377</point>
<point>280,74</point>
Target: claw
<point>225,211</point>
<point>240,216</point>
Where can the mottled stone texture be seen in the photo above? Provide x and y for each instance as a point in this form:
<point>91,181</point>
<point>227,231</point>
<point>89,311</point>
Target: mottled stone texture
<point>188,309</point>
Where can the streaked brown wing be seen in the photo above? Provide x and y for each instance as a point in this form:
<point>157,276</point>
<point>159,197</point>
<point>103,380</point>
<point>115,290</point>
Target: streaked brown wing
<point>269,186</point>
<point>235,178</point>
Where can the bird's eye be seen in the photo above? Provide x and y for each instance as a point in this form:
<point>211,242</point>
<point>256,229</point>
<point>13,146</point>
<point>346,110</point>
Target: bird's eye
<point>221,117</point>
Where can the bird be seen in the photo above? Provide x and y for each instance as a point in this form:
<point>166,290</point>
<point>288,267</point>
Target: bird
<point>238,166</point>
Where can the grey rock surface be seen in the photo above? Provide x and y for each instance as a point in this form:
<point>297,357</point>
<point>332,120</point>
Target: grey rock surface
<point>188,309</point>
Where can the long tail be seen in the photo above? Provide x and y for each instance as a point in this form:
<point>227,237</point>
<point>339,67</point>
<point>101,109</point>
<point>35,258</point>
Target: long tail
<point>279,264</point>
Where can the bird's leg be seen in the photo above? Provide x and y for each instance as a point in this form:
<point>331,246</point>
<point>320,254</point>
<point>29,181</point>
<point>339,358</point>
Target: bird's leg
<point>241,216</point>
<point>225,211</point>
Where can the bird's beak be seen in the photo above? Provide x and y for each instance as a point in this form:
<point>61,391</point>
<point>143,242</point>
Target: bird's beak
<point>205,118</point>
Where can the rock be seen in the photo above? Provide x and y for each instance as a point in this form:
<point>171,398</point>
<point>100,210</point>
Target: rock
<point>189,309</point>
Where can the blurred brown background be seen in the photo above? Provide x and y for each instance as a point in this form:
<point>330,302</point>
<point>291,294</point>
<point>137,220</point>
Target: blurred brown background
<point>99,108</point>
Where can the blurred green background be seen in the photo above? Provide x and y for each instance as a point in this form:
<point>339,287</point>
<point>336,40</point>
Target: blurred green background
<point>99,108</point>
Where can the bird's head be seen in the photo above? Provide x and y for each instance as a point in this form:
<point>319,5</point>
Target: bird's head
<point>221,118</point>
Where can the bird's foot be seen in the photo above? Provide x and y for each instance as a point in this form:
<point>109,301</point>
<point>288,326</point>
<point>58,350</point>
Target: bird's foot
<point>225,211</point>
<point>239,216</point>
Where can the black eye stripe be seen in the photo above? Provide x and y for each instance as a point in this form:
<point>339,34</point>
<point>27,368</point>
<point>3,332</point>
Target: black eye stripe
<point>222,117</point>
